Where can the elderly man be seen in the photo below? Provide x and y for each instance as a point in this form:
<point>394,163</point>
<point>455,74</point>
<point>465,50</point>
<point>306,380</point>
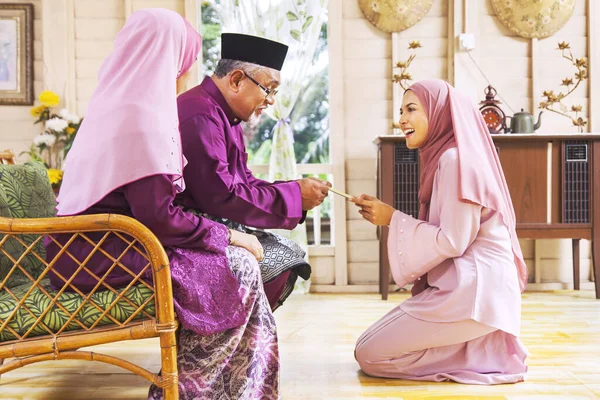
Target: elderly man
<point>219,184</point>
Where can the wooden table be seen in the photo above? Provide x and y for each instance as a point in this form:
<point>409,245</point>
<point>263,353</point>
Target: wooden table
<point>554,182</point>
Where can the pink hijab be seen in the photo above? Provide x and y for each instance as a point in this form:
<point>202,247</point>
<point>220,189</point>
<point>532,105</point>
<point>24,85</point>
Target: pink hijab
<point>131,128</point>
<point>455,122</point>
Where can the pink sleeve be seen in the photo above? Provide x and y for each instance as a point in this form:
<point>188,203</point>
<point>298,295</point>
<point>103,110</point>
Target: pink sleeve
<point>415,247</point>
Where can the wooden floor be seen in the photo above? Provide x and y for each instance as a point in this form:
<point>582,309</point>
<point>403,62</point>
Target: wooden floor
<point>317,335</point>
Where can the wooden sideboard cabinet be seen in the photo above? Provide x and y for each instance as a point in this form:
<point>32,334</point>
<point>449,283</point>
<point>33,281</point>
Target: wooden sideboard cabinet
<point>554,182</point>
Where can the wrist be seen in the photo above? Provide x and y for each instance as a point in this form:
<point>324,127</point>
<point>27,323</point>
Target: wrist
<point>390,215</point>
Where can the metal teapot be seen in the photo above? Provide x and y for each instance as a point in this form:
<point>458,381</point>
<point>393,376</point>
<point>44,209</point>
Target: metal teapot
<point>522,122</point>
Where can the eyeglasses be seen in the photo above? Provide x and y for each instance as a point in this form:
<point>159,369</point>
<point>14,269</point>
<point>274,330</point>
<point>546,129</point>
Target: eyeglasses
<point>270,93</point>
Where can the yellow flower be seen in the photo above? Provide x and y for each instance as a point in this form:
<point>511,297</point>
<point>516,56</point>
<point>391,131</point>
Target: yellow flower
<point>549,94</point>
<point>414,44</point>
<point>49,98</point>
<point>55,175</point>
<point>581,62</point>
<point>38,110</point>
<point>567,82</point>
<point>70,130</point>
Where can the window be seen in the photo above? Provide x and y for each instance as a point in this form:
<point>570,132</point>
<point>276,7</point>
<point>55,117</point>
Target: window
<point>309,120</point>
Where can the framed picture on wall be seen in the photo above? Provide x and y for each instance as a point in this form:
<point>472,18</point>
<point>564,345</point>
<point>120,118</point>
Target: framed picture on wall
<point>16,54</point>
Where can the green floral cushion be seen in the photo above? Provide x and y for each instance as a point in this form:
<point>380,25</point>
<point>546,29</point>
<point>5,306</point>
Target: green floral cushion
<point>25,192</point>
<point>37,302</point>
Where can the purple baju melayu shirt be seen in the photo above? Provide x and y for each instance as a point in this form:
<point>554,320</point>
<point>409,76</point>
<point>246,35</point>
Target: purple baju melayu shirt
<point>218,181</point>
<point>205,290</point>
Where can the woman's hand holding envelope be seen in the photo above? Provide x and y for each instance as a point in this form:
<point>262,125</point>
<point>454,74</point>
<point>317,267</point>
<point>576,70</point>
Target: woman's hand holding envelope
<point>374,210</point>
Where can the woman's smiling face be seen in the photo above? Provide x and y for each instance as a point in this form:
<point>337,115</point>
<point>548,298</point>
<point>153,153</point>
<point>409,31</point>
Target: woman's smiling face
<point>413,121</point>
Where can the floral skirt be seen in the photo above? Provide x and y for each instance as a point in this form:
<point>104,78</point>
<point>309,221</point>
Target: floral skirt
<point>282,258</point>
<point>239,363</point>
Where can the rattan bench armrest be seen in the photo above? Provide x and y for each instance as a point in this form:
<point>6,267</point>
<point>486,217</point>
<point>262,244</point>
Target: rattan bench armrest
<point>108,222</point>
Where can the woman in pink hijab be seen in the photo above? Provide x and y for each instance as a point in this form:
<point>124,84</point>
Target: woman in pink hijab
<point>462,253</point>
<point>127,159</point>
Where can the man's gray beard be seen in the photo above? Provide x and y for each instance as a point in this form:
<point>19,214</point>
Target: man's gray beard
<point>254,120</point>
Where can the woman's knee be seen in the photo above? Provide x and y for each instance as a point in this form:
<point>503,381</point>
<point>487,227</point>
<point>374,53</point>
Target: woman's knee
<point>367,361</point>
<point>365,355</point>
<point>244,265</point>
<point>370,345</point>
<point>252,265</point>
<point>373,358</point>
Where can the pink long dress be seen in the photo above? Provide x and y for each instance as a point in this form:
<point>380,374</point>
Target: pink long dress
<point>464,325</point>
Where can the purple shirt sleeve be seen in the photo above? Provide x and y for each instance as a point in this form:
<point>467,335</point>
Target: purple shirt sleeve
<point>254,181</point>
<point>218,189</point>
<point>151,203</point>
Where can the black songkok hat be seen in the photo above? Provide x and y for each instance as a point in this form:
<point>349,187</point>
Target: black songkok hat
<point>253,49</point>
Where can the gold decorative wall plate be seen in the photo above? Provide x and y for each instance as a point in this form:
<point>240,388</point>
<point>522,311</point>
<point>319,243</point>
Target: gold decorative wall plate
<point>394,15</point>
<point>534,19</point>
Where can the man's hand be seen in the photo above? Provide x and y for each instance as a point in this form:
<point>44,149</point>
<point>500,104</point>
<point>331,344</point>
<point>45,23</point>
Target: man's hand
<point>313,192</point>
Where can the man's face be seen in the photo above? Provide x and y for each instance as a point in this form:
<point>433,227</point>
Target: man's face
<point>254,91</point>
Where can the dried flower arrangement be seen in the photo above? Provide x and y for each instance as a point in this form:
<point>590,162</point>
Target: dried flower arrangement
<point>556,99</point>
<point>403,77</point>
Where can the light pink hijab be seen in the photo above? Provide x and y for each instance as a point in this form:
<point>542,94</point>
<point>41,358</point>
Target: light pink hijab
<point>455,122</point>
<point>131,128</point>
